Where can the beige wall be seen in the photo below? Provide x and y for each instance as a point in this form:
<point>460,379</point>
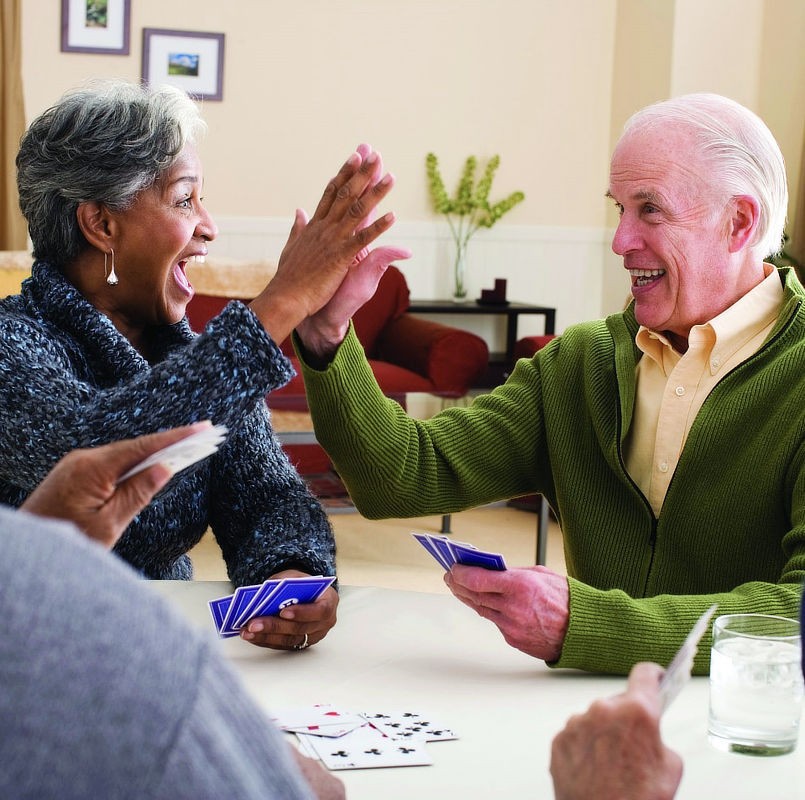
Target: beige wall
<point>305,82</point>
<point>546,84</point>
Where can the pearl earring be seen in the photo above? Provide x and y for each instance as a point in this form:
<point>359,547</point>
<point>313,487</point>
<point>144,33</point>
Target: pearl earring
<point>111,278</point>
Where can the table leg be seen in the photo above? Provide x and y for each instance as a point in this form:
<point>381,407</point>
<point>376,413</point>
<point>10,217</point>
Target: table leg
<point>542,530</point>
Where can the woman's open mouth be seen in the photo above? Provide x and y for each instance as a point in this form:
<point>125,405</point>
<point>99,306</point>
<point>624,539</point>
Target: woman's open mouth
<point>181,277</point>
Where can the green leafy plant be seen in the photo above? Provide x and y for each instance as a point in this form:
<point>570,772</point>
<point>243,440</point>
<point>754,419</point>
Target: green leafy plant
<point>470,209</point>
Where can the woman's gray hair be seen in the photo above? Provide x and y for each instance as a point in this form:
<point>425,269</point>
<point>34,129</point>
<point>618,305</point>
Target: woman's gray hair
<point>744,155</point>
<point>106,142</point>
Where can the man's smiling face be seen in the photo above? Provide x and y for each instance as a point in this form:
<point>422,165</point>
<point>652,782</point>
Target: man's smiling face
<point>673,231</point>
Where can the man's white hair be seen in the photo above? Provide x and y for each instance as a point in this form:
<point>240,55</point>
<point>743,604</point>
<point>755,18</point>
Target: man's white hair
<point>744,155</point>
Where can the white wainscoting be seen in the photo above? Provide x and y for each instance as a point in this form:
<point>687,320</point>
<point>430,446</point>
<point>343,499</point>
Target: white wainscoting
<point>571,269</point>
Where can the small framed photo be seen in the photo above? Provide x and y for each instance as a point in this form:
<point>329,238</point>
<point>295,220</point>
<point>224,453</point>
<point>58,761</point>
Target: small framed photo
<point>189,60</point>
<point>95,26</point>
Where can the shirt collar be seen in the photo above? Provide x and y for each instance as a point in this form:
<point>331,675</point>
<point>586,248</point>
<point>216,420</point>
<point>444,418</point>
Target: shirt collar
<point>728,331</point>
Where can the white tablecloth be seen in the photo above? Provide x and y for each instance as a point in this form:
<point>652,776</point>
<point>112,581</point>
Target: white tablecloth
<point>426,652</point>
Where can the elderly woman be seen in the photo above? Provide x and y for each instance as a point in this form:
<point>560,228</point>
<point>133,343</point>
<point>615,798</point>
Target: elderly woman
<point>96,346</point>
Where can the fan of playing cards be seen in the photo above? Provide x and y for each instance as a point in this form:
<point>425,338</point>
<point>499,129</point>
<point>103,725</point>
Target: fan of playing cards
<point>448,552</point>
<point>182,454</point>
<point>231,613</point>
<point>346,740</point>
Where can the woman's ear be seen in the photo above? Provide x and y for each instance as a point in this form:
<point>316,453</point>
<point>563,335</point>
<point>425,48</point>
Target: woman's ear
<point>743,221</point>
<point>94,222</point>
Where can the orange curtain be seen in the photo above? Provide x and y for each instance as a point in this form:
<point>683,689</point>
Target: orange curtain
<point>13,232</point>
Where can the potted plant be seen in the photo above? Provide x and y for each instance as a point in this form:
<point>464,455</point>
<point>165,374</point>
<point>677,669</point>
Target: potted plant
<point>469,210</point>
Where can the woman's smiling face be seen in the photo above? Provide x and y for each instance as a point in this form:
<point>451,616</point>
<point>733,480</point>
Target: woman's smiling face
<point>155,238</point>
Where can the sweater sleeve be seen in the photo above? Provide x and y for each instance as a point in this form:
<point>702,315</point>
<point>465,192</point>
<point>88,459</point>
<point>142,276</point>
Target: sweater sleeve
<point>225,747</point>
<point>48,407</point>
<point>261,511</point>
<point>611,632</point>
<point>396,466</point>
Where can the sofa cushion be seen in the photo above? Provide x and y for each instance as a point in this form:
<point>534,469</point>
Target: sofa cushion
<point>395,382</point>
<point>389,302</point>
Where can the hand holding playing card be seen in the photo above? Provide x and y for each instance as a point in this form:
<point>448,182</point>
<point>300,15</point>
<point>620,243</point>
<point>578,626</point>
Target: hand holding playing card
<point>530,605</point>
<point>678,673</point>
<point>297,625</point>
<point>614,749</point>
<point>85,486</point>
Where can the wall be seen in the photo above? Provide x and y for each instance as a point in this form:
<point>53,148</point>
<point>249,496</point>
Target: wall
<point>305,82</point>
<point>547,85</point>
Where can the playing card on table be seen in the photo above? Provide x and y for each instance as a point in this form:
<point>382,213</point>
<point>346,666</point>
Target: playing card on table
<point>678,673</point>
<point>182,454</point>
<point>410,725</point>
<point>320,720</point>
<point>366,748</point>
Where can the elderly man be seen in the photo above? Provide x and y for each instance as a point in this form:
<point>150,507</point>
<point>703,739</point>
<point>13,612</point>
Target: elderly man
<point>669,439</point>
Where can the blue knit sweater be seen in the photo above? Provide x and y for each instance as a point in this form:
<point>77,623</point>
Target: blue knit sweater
<point>69,379</point>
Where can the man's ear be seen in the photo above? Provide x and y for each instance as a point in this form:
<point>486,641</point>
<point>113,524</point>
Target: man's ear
<point>743,221</point>
<point>95,224</point>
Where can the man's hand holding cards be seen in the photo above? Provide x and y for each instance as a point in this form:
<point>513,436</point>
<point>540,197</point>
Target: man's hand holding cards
<point>448,552</point>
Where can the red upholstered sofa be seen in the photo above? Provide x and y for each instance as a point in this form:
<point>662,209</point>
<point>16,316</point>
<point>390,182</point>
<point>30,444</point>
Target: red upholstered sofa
<point>529,345</point>
<point>407,353</point>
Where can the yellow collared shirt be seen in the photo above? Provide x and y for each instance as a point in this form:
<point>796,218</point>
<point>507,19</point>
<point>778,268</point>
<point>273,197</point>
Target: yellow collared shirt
<point>671,387</point>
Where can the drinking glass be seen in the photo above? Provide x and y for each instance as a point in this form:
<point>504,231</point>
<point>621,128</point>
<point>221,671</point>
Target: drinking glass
<point>756,684</point>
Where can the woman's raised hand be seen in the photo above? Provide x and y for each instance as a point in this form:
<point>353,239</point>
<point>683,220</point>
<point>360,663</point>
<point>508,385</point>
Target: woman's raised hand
<point>323,331</point>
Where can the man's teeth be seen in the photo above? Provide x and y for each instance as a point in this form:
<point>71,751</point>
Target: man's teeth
<point>646,273</point>
<point>642,277</point>
<point>199,259</point>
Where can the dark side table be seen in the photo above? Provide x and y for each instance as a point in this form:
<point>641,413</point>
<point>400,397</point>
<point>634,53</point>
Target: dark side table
<point>510,310</point>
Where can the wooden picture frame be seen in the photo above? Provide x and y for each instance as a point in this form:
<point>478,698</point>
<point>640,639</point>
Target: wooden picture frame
<point>96,26</point>
<point>189,60</point>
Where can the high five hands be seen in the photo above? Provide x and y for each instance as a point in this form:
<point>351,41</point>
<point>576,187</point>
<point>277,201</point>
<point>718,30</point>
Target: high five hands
<point>327,269</point>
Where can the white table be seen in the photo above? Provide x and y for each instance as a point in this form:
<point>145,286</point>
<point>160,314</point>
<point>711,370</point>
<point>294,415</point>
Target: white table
<point>410,650</point>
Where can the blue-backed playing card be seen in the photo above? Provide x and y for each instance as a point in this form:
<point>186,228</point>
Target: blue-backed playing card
<point>472,557</point>
<point>441,544</point>
<point>292,591</point>
<point>260,598</point>
<point>218,609</point>
<point>425,541</point>
<point>241,599</point>
<point>448,552</point>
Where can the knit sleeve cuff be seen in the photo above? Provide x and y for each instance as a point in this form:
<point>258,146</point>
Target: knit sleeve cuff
<point>238,334</point>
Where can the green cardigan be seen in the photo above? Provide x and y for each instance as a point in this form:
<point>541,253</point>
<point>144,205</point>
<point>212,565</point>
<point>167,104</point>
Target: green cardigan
<point>732,527</point>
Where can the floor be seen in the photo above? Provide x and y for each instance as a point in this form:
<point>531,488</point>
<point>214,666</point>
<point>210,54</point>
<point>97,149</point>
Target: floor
<point>383,553</point>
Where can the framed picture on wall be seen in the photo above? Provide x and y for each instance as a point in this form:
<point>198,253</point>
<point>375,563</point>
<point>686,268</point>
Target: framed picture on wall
<point>189,60</point>
<point>95,26</point>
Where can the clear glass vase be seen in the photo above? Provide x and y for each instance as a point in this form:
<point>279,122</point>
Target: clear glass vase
<point>460,273</point>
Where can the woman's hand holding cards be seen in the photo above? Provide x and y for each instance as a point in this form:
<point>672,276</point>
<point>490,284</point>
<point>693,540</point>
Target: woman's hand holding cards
<point>299,625</point>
